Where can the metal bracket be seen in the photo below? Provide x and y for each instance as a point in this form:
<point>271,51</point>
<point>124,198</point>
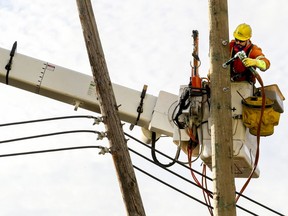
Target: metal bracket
<point>104,150</point>
<point>140,107</point>
<point>101,135</point>
<point>8,67</point>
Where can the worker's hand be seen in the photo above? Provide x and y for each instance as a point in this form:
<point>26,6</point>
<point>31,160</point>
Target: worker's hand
<point>249,62</point>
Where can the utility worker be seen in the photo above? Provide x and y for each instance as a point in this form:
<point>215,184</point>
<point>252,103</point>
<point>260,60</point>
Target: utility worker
<point>255,58</point>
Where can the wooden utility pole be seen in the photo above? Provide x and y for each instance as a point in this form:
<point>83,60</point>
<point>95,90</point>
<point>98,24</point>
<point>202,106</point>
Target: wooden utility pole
<point>108,106</point>
<point>221,129</point>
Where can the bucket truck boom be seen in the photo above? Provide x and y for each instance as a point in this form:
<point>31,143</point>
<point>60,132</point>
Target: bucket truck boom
<point>166,114</point>
<point>78,89</point>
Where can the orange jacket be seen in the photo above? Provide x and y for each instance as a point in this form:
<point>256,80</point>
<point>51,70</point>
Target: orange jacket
<point>238,71</point>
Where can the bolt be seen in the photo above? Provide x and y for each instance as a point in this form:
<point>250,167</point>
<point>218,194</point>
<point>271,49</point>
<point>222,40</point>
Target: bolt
<point>224,42</point>
<point>225,89</point>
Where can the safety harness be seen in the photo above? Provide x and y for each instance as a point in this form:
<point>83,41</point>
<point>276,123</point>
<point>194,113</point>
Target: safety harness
<point>247,74</point>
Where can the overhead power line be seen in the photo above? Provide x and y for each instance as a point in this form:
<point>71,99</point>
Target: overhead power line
<point>96,120</point>
<point>183,178</point>
<point>168,170</point>
<point>169,185</point>
<point>100,135</point>
<point>183,165</point>
<point>167,156</point>
<point>105,150</point>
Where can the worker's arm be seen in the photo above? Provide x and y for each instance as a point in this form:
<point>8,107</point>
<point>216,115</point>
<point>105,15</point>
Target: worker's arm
<point>258,62</point>
<point>257,59</point>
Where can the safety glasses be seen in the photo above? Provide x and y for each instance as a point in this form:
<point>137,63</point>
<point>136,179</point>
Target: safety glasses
<point>239,41</point>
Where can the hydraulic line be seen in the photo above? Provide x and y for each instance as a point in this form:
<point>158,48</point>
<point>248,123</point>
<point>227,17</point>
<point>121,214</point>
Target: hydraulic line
<point>258,132</point>
<point>242,55</point>
<point>153,153</point>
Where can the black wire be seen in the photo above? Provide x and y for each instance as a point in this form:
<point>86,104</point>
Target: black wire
<point>90,131</point>
<point>153,153</point>
<point>83,147</point>
<point>161,153</point>
<point>263,206</point>
<point>101,147</point>
<point>165,183</point>
<point>49,150</point>
<point>74,148</point>
<point>49,134</point>
<point>255,202</point>
<point>47,119</point>
<point>183,178</point>
<point>244,209</point>
<point>172,172</point>
<point>80,116</point>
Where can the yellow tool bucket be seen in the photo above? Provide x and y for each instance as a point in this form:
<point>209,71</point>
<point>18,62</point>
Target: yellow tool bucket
<point>251,116</point>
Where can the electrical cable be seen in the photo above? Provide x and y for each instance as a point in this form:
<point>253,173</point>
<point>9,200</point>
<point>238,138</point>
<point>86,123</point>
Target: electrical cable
<point>85,147</point>
<point>258,77</point>
<point>104,149</point>
<point>90,131</point>
<point>193,143</point>
<point>187,180</point>
<point>81,147</point>
<point>161,153</point>
<point>182,105</point>
<point>168,170</point>
<point>170,120</point>
<point>205,195</point>
<point>242,55</point>
<point>49,119</point>
<point>153,153</point>
<point>101,147</point>
<point>207,177</point>
<point>174,188</point>
<point>50,134</point>
<point>260,204</point>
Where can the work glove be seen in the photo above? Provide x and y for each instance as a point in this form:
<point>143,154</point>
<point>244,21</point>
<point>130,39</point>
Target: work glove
<point>249,62</point>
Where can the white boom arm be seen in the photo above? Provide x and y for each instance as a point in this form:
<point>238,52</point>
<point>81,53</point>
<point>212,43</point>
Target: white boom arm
<point>78,89</point>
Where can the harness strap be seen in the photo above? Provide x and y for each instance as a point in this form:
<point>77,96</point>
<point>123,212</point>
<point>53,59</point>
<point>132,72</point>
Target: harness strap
<point>247,73</point>
<point>8,67</point>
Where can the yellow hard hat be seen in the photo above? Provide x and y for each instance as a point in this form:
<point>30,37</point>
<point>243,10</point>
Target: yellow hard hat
<point>243,32</point>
